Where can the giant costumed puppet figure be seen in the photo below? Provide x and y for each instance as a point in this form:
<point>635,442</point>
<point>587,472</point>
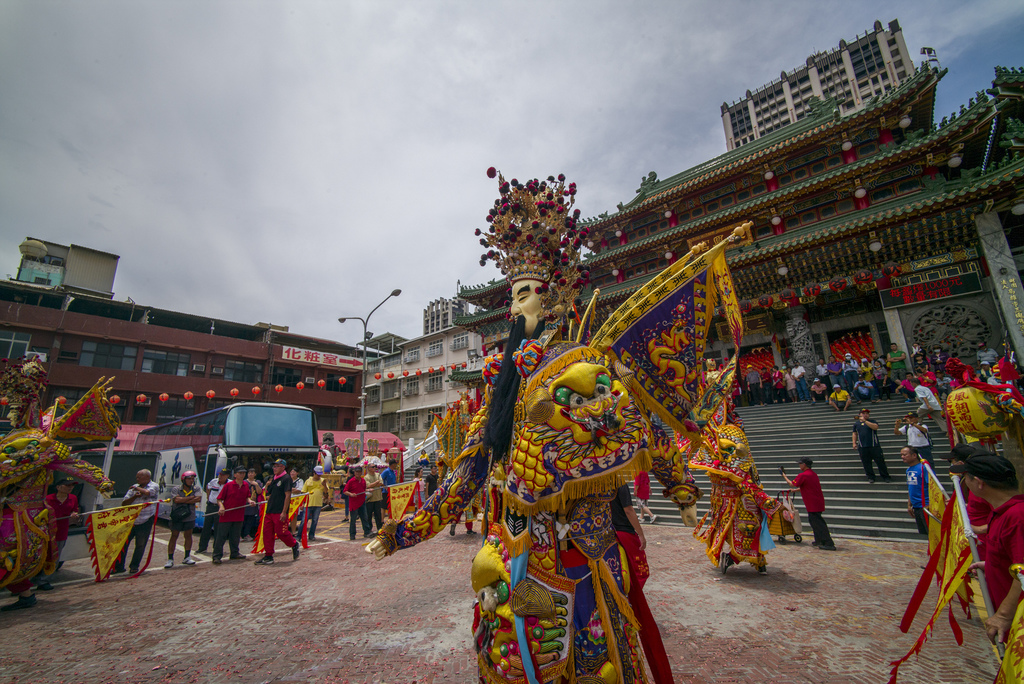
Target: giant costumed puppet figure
<point>30,455</point>
<point>564,423</point>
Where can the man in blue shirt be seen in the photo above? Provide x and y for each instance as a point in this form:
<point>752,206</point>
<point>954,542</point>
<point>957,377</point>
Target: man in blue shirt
<point>389,478</point>
<point>917,487</point>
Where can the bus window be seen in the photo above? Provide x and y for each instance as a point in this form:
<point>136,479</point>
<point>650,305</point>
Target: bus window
<point>251,425</point>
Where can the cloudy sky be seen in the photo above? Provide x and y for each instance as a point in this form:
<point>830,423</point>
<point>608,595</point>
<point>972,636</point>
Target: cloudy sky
<point>293,162</point>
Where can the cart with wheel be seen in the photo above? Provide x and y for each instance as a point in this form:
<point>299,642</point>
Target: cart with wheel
<point>786,522</point>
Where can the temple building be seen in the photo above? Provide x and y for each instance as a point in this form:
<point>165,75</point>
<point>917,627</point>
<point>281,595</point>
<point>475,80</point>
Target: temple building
<point>878,224</point>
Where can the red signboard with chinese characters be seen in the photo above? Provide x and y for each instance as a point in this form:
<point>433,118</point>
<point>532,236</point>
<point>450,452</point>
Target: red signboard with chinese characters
<point>933,289</point>
<point>320,358</point>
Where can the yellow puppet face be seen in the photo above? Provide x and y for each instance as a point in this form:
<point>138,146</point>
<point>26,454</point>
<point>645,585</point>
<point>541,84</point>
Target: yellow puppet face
<point>578,424</point>
<point>526,302</point>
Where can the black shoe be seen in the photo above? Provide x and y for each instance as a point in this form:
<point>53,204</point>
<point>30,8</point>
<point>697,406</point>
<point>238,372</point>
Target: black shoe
<point>312,538</point>
<point>45,586</point>
<point>762,569</point>
<point>217,561</point>
<point>117,571</point>
<point>133,571</point>
<point>266,560</point>
<point>814,544</point>
<point>295,551</point>
<point>451,530</point>
<point>886,479</point>
<point>22,602</point>
<point>871,482</point>
<point>470,532</point>
<point>827,548</point>
<point>203,551</point>
<point>238,558</point>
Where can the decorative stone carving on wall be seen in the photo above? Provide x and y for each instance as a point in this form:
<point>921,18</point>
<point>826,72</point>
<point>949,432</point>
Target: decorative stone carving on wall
<point>954,327</point>
<point>801,344</point>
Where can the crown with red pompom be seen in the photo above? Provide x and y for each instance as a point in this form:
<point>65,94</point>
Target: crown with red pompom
<point>532,234</point>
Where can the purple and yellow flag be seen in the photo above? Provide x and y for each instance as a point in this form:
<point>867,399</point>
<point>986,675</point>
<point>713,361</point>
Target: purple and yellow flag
<point>660,333</point>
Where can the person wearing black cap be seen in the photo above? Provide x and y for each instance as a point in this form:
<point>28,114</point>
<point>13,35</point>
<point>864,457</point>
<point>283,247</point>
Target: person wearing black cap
<point>994,479</point>
<point>979,513</point>
<point>275,520</point>
<point>814,502</point>
<point>865,441</point>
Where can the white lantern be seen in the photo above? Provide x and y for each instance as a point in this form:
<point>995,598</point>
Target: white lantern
<point>955,160</point>
<point>768,175</point>
<point>668,255</point>
<point>618,233</point>
<point>1018,208</point>
<point>783,270</point>
<point>905,121</point>
<point>875,245</point>
<point>776,220</point>
<point>668,213</point>
<point>615,271</point>
<point>847,146</point>
<point>860,192</point>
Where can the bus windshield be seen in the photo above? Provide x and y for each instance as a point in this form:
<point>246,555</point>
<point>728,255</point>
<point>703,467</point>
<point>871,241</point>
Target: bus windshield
<point>256,425</point>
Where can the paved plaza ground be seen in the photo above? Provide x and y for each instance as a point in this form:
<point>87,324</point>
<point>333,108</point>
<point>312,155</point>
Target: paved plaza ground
<point>338,616</point>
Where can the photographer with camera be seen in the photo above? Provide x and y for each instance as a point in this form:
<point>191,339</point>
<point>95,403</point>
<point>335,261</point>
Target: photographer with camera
<point>865,441</point>
<point>917,436</point>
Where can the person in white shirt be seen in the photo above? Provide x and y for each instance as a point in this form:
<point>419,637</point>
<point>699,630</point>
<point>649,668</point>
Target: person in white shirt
<point>851,374</point>
<point>917,436</point>
<point>930,406</point>
<point>144,491</point>
<point>987,355</point>
<point>821,370</point>
<point>212,515</point>
<point>799,374</point>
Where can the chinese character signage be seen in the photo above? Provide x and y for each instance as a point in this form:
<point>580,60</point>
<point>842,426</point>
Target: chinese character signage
<point>933,289</point>
<point>320,358</point>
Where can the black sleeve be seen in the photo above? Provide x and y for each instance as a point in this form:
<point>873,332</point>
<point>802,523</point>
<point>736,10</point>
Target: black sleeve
<point>623,496</point>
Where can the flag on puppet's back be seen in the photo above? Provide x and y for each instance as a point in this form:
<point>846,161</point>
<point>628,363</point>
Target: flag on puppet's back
<point>660,333</point>
<point>1012,670</point>
<point>107,532</point>
<point>400,498</point>
<point>296,503</point>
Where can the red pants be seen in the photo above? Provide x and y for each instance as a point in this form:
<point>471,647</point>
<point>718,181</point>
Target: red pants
<point>276,525</point>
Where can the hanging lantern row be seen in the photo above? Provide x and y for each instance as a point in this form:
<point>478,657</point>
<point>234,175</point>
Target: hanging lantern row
<point>210,394</point>
<point>390,375</point>
<point>791,295</point>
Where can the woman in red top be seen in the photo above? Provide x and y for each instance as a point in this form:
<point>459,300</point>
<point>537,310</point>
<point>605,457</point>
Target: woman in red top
<point>642,489</point>
<point>355,492</point>
<point>64,509</point>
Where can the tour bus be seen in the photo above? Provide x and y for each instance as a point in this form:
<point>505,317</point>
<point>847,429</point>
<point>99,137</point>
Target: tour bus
<point>248,433</point>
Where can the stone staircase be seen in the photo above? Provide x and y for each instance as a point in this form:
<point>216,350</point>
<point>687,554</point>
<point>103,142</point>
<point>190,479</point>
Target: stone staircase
<point>780,434</point>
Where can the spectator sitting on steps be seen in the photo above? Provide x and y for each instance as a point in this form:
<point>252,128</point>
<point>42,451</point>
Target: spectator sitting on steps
<point>839,399</point>
<point>819,391</point>
<point>865,391</point>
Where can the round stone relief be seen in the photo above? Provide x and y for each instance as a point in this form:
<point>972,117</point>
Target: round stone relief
<point>954,327</point>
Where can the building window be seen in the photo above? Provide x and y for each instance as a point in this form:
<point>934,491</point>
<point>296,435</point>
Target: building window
<point>289,377</point>
<point>373,366</point>
<point>412,387</point>
<point>103,355</point>
<point>165,363</point>
<point>412,421</point>
<point>243,371</point>
<point>393,360</point>
<point>373,395</point>
<point>172,409</point>
<point>13,345</point>
<point>389,422</point>
<point>460,341</point>
<point>412,355</point>
<point>372,424</point>
<point>390,390</point>
<point>435,382</point>
<point>436,348</point>
<point>326,417</point>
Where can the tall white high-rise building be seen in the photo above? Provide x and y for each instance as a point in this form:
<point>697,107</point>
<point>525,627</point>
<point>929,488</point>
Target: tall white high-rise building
<point>853,74</point>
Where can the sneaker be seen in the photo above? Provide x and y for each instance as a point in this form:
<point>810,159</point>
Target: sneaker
<point>295,551</point>
<point>888,479</point>
<point>217,561</point>
<point>169,563</point>
<point>266,560</point>
<point>239,557</point>
<point>44,586</point>
<point>22,602</point>
<point>470,532</point>
<point>654,519</point>
<point>827,548</point>
<point>762,569</point>
<point>871,482</point>
<point>189,560</point>
<point>451,530</point>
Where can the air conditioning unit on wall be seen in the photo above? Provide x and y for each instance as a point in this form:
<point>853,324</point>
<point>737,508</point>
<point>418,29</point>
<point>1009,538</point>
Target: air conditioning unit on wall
<point>217,370</point>
<point>310,381</point>
<point>198,367</point>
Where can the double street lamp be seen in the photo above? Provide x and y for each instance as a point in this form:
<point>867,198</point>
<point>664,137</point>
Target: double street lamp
<point>362,387</point>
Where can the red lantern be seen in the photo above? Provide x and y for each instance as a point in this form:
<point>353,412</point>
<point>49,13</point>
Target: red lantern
<point>891,269</point>
<point>390,375</point>
<point>62,400</point>
<point>3,401</point>
<point>430,370</point>
<point>837,284</point>
<point>405,374</point>
<point>164,396</point>
<point>188,396</point>
<point>115,400</point>
<point>765,301</point>
<point>463,364</point>
<point>342,381</point>
<point>256,391</point>
<point>788,293</point>
<point>321,383</point>
<point>279,388</point>
<point>419,373</point>
<point>863,277</point>
<point>210,394</point>
<point>746,306</point>
<point>234,392</point>
<point>140,399</point>
<point>812,290</point>
<point>300,385</point>
<point>376,376</point>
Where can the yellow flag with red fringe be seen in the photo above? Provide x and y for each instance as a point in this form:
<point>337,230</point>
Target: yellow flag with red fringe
<point>1012,669</point>
<point>107,532</point>
<point>294,505</point>
<point>400,496</point>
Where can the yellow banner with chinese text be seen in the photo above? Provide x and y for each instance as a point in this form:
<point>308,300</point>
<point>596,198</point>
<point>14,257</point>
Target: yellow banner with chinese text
<point>400,498</point>
<point>107,531</point>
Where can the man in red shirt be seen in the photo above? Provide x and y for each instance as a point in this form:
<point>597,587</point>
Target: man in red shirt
<point>978,511</point>
<point>814,501</point>
<point>231,502</point>
<point>64,509</point>
<point>355,493</point>
<point>994,479</point>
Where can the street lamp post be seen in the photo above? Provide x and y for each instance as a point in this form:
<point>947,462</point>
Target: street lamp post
<point>362,386</point>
